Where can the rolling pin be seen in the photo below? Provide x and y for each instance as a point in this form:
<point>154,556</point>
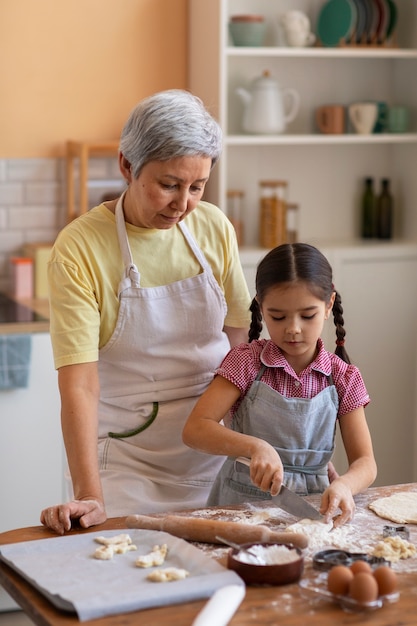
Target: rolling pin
<point>206,531</point>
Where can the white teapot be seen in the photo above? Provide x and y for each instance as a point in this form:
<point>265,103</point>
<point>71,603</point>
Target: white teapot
<point>265,109</point>
<point>296,26</point>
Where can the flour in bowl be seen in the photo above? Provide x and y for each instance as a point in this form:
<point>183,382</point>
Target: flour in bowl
<point>268,555</point>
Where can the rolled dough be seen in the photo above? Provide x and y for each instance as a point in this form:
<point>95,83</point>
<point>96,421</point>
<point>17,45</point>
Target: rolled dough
<point>400,507</point>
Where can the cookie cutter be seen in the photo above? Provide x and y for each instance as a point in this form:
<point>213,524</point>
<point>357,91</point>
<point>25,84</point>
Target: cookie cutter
<point>326,559</point>
<point>393,531</point>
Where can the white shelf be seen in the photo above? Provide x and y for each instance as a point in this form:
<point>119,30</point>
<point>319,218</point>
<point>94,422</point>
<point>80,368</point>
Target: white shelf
<point>325,53</point>
<point>371,248</point>
<point>322,140</point>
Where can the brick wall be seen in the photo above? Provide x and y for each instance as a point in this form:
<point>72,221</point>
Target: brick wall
<point>33,202</point>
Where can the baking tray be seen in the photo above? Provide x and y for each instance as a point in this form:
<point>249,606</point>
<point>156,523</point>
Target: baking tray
<point>63,570</point>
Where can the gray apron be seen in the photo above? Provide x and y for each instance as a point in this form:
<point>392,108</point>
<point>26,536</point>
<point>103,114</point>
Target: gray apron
<point>167,342</point>
<point>302,431</point>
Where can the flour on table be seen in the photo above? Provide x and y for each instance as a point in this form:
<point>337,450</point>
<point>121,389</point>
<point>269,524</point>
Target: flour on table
<point>249,516</point>
<point>400,507</point>
<point>321,534</point>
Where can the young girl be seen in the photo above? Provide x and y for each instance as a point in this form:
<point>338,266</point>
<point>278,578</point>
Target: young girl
<point>285,394</point>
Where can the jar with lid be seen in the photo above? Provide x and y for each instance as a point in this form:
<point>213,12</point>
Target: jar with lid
<point>234,212</point>
<point>273,218</point>
<point>292,222</point>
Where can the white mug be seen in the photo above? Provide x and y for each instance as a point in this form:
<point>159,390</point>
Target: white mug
<point>363,116</point>
<point>296,25</point>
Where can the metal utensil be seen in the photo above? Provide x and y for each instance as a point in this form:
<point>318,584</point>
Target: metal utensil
<point>290,501</point>
<point>236,546</point>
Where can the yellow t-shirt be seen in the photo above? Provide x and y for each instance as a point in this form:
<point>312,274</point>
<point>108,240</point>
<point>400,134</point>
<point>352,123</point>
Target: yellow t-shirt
<point>86,266</point>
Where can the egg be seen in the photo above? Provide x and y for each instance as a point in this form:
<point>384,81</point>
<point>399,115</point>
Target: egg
<point>363,587</point>
<point>339,579</point>
<point>360,566</point>
<point>386,580</point>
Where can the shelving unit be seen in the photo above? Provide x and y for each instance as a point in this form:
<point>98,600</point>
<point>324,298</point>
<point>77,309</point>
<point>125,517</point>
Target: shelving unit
<point>321,76</point>
<point>83,150</point>
<point>326,175</point>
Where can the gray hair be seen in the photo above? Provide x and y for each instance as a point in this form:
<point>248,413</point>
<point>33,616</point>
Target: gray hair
<point>169,124</point>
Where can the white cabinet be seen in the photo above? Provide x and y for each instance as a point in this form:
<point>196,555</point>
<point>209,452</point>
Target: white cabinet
<point>325,173</point>
<point>31,449</point>
<point>379,296</point>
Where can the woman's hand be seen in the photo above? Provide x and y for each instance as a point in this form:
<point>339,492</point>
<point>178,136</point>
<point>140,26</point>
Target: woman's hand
<point>338,496</point>
<point>59,517</point>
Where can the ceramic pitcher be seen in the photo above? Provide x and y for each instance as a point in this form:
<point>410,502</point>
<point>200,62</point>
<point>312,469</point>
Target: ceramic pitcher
<point>268,108</point>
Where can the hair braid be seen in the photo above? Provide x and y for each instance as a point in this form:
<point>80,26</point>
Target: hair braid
<point>340,330</point>
<point>256,321</point>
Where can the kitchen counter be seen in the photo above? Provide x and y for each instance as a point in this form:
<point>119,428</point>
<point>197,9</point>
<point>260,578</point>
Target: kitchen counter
<point>21,316</point>
<point>261,605</point>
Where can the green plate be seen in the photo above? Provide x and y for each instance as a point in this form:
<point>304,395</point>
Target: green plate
<point>336,21</point>
<point>393,17</point>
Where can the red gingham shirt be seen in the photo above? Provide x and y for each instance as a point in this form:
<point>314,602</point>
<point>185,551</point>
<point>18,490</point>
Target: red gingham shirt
<point>242,364</point>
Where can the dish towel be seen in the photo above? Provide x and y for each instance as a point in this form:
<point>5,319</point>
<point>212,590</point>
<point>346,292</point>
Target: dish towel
<point>15,353</point>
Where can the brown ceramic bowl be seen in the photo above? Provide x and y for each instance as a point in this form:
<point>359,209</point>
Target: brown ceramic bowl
<point>276,574</point>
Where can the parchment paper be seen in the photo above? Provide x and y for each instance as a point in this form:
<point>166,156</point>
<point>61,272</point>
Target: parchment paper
<point>63,570</point>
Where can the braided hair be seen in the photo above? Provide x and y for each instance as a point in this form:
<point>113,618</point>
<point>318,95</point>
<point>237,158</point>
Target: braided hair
<point>298,262</point>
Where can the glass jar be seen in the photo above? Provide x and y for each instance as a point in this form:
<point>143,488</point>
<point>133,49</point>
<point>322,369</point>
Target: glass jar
<point>273,218</point>
<point>292,222</point>
<point>235,212</point>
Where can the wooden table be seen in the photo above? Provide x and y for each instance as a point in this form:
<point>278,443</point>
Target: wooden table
<point>264,605</point>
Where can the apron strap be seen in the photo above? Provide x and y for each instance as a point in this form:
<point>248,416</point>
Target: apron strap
<point>131,275</point>
<point>317,470</point>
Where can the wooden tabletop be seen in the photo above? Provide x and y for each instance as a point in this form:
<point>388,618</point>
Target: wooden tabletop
<point>262,605</point>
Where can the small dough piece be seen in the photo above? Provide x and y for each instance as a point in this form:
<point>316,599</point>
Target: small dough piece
<point>167,575</point>
<point>104,553</point>
<point>122,548</point>
<point>400,507</point>
<point>394,548</point>
<point>110,541</point>
<point>153,558</point>
<point>119,544</point>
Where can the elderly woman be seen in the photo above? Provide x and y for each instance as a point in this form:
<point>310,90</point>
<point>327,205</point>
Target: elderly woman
<point>147,296</point>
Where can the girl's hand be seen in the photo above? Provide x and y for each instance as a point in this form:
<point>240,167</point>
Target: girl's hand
<point>338,496</point>
<point>331,472</point>
<point>59,517</point>
<point>266,470</point>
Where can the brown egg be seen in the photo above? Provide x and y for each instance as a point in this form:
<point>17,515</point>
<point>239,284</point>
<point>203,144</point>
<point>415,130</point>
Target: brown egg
<point>363,587</point>
<point>339,579</point>
<point>360,566</point>
<point>386,580</point>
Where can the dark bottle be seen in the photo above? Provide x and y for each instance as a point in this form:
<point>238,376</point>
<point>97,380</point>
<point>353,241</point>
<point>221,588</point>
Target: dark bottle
<point>385,211</point>
<point>369,226</point>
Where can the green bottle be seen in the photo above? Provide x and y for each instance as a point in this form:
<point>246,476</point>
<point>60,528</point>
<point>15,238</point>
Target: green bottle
<point>385,211</point>
<point>369,225</point>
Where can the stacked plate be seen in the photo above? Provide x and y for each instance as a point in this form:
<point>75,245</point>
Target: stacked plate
<point>366,22</point>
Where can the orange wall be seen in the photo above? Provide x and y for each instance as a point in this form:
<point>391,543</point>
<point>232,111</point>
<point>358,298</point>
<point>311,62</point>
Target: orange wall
<point>73,69</point>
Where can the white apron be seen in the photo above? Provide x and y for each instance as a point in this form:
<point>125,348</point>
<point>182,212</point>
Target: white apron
<point>165,347</point>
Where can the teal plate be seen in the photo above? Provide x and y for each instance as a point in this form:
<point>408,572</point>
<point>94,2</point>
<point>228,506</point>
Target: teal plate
<point>393,17</point>
<point>336,21</point>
